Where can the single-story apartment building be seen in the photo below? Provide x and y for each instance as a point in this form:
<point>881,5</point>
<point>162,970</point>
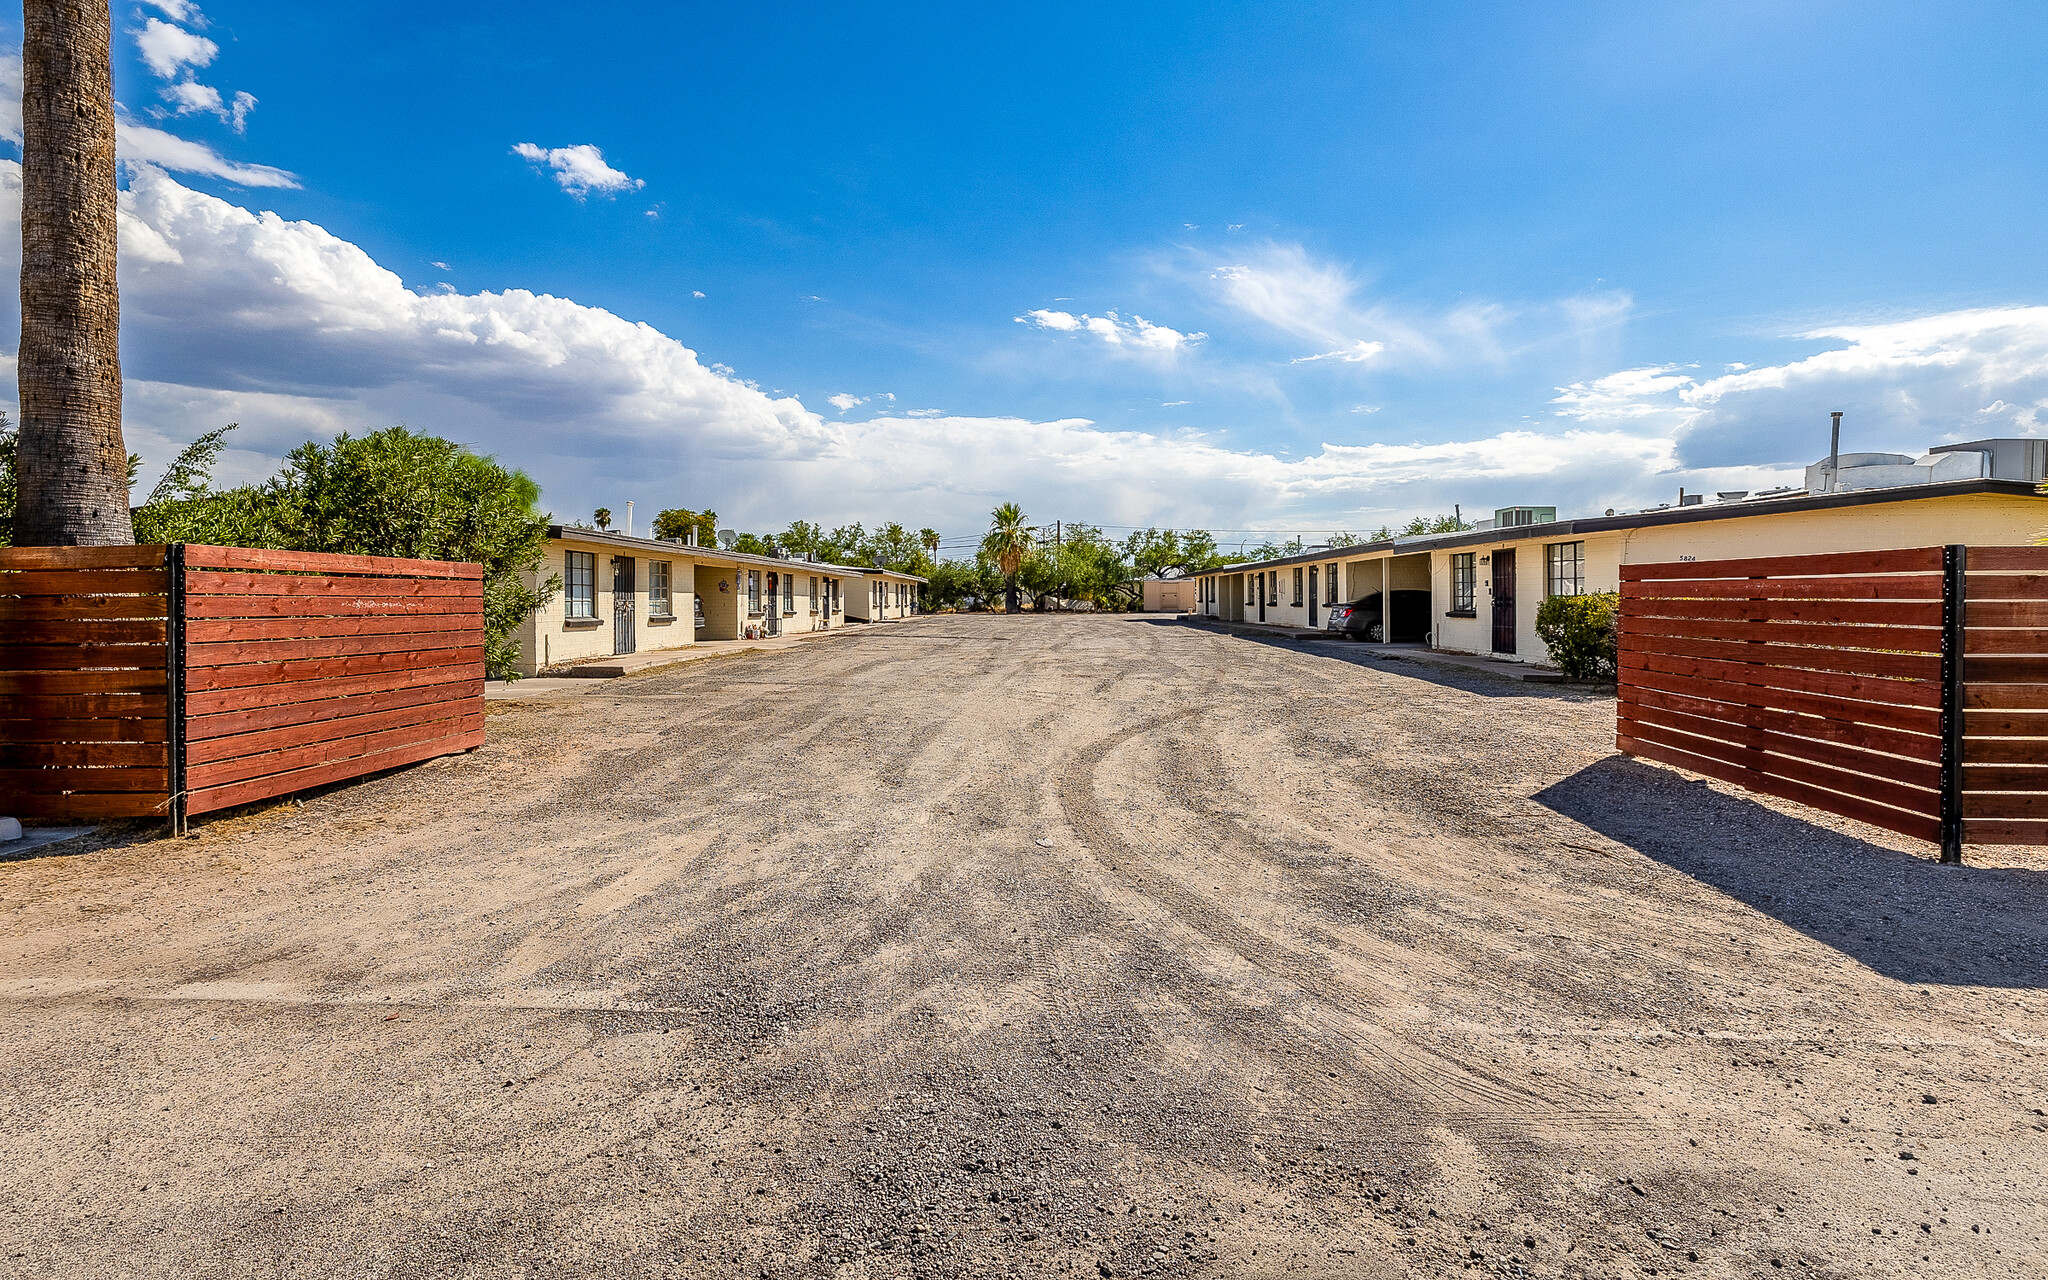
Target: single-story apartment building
<point>882,595</point>
<point>623,594</point>
<point>1483,585</point>
<point>1168,595</point>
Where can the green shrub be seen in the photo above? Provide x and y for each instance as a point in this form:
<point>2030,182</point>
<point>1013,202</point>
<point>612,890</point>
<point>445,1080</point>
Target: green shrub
<point>1580,631</point>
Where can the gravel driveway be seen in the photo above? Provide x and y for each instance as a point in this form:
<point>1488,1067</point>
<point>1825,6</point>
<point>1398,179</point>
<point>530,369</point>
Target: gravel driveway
<point>1065,946</point>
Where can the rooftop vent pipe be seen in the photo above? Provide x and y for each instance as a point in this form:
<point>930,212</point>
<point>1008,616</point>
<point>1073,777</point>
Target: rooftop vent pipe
<point>1834,448</point>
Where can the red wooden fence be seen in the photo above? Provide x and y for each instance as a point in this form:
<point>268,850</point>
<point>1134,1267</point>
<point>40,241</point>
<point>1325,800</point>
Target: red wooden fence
<point>1907,689</point>
<point>170,681</point>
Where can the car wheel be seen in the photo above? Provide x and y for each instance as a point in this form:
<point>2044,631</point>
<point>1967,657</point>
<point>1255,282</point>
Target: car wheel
<point>1375,632</point>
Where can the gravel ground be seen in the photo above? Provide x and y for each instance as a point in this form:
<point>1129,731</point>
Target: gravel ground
<point>1027,946</point>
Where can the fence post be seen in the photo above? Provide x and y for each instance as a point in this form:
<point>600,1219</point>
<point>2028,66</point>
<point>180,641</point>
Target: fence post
<point>1955,586</point>
<point>174,663</point>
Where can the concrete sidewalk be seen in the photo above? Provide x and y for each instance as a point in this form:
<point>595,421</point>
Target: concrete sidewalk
<point>1522,671</point>
<point>595,675</point>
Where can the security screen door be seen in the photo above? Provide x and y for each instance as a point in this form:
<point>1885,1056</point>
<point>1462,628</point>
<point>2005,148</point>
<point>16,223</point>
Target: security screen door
<point>622,604</point>
<point>1503,602</point>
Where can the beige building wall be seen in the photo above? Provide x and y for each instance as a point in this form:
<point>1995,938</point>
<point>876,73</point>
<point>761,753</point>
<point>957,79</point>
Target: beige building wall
<point>718,595</point>
<point>550,636</point>
<point>1169,595</point>
<point>880,595</point>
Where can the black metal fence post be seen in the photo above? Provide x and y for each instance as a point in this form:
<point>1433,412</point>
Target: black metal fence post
<point>174,567</point>
<point>1955,587</point>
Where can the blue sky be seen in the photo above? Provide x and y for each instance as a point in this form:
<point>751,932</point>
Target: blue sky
<point>1286,266</point>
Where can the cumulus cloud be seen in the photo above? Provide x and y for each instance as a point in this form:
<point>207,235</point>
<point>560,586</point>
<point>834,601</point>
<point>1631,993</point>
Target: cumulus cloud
<point>1136,334</point>
<point>1902,385</point>
<point>169,49</point>
<point>178,11</point>
<point>845,400</point>
<point>578,170</point>
<point>143,145</point>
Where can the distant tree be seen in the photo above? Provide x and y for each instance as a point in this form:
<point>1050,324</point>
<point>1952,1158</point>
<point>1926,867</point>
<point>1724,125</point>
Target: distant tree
<point>1428,524</point>
<point>803,538</point>
<point>70,468</point>
<point>1006,544</point>
<point>677,522</point>
<point>752,545</point>
<point>603,517</point>
<point>1384,533</point>
<point>930,540</point>
<point>1164,553</point>
<point>1344,539</point>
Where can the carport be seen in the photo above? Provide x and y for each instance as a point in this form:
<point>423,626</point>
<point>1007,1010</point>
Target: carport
<point>1386,575</point>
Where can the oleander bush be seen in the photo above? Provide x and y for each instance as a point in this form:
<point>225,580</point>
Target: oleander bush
<point>1580,632</point>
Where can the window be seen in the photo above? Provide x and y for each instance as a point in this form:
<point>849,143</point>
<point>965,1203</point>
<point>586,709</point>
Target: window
<point>1464,581</point>
<point>753,591</point>
<point>1250,585</point>
<point>814,594</point>
<point>1297,588</point>
<point>659,604</point>
<point>1273,588</point>
<point>579,574</point>
<point>789,593</point>
<point>1564,568</point>
<point>1330,585</point>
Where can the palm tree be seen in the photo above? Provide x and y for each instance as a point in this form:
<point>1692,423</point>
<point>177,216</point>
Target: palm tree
<point>603,517</point>
<point>73,466</point>
<point>930,539</point>
<point>1007,543</point>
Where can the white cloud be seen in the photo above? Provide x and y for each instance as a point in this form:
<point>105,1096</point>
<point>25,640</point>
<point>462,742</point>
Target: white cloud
<point>170,49</point>
<point>178,11</point>
<point>1134,334</point>
<point>141,144</point>
<point>845,400</point>
<point>696,293</point>
<point>580,169</point>
<point>1356,353</point>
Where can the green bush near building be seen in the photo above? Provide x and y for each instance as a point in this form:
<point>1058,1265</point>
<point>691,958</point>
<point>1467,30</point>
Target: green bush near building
<point>1580,632</point>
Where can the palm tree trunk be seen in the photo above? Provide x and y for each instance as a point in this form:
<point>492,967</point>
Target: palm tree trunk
<point>73,467</point>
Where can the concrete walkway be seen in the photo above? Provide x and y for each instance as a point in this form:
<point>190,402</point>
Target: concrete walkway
<point>596,674</point>
<point>1390,652</point>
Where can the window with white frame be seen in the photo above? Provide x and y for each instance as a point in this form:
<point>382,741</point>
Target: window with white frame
<point>1564,568</point>
<point>753,591</point>
<point>579,584</point>
<point>1330,584</point>
<point>659,603</point>
<point>1464,581</point>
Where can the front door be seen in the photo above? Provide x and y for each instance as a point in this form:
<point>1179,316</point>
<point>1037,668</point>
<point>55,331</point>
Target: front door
<point>1262,597</point>
<point>1503,602</point>
<point>1311,595</point>
<point>622,604</point>
<point>771,611</point>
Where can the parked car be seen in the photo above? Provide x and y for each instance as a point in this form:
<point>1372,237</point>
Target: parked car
<point>1362,618</point>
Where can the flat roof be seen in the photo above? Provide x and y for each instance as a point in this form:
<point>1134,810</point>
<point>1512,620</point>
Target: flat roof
<point>1695,514</point>
<point>610,537</point>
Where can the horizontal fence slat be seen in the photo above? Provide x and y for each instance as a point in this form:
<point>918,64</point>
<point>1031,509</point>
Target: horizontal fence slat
<point>2001,586</point>
<point>241,767</point>
<point>1924,801</point>
<point>1900,821</point>
<point>2005,670</point>
<point>2031,776</point>
<point>47,684</point>
<point>1911,560</point>
<point>1924,747</point>
<point>2013,640</point>
<point>2020,559</point>
<point>2006,613</point>
<point>1906,693</point>
<point>1886,613</point>
<point>218,630</point>
<point>253,719</point>
<point>328,729</point>
<point>221,582</point>
<point>1833,635</point>
<point>105,729</point>
<point>212,799</point>
<point>235,652</point>
<point>73,608</point>
<point>83,755</point>
<point>49,781</point>
<point>81,657</point>
<point>206,679</point>
<point>2006,750</point>
<point>1911,666</point>
<point>1912,772</point>
<point>91,582</point>
<point>90,806</point>
<point>210,607</point>
<point>86,631</point>
<point>2005,724</point>
<point>2005,804</point>
<point>142,556</point>
<point>212,702</point>
<point>1914,586</point>
<point>2004,831</point>
<point>1918,720</point>
<point>327,562</point>
<point>110,706</point>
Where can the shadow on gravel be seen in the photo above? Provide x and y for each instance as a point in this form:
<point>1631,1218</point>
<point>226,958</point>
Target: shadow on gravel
<point>1906,917</point>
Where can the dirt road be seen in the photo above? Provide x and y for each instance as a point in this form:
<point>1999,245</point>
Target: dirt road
<point>1035,946</point>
